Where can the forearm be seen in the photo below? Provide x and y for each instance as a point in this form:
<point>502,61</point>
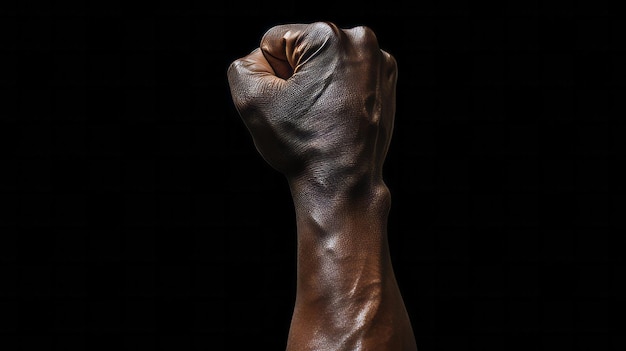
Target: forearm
<point>347,295</point>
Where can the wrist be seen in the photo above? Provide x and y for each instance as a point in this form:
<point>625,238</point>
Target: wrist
<point>341,229</point>
<point>340,198</point>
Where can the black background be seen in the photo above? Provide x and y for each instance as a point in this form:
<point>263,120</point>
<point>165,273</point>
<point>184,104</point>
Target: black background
<point>136,214</point>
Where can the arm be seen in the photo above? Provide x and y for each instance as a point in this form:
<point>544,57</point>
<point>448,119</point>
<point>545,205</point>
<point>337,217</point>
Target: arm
<point>319,102</point>
<point>347,296</point>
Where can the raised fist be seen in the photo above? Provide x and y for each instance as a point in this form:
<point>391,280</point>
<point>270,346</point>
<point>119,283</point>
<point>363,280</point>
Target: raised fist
<point>318,100</point>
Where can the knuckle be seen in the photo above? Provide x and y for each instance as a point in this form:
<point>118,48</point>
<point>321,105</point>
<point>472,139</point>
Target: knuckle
<point>323,30</point>
<point>233,66</point>
<point>235,74</point>
<point>364,35</point>
<point>389,62</point>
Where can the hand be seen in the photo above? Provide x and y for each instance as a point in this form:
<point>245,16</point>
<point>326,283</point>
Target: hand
<point>318,100</point>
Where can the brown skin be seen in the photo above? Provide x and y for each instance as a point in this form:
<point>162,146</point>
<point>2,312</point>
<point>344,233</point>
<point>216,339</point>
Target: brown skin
<point>319,102</point>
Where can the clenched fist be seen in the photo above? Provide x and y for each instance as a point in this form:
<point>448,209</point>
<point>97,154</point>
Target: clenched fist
<point>319,102</point>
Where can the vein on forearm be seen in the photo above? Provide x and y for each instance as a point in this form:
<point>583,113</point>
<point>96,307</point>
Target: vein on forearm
<point>343,257</point>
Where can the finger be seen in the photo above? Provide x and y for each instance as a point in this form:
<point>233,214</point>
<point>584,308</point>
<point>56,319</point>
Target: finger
<point>390,66</point>
<point>389,75</point>
<point>278,45</point>
<point>252,78</point>
<point>390,78</point>
<point>288,48</point>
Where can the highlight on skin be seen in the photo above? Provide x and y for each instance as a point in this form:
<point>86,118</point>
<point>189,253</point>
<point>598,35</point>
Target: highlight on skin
<point>319,103</point>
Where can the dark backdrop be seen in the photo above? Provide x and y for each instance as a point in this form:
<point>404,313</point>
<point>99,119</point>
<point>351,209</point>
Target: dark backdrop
<point>136,214</point>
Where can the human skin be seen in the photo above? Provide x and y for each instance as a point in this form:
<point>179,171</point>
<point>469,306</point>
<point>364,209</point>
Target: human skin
<point>319,103</point>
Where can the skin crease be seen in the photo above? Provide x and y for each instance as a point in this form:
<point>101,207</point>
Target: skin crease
<point>319,102</point>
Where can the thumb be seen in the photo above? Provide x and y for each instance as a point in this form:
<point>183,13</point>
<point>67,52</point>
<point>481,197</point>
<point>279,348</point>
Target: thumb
<point>252,80</point>
<point>297,48</point>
